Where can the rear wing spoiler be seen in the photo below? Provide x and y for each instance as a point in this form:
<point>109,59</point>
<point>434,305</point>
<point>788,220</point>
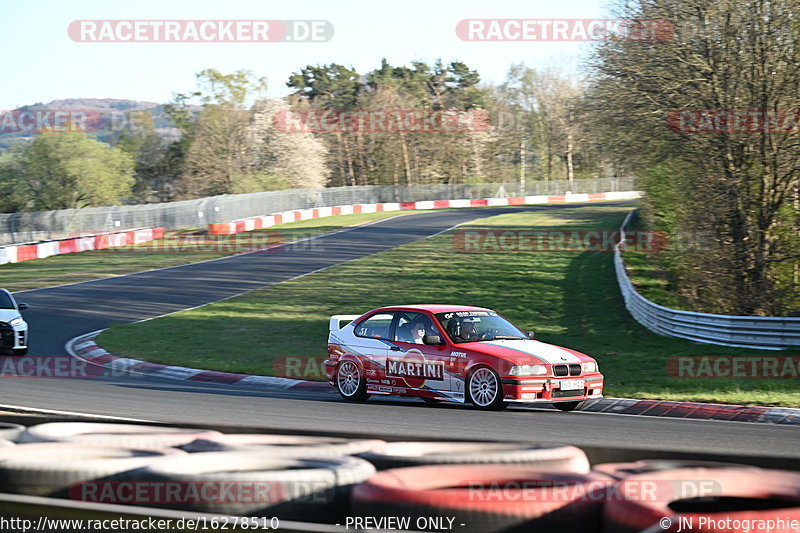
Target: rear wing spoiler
<point>335,321</point>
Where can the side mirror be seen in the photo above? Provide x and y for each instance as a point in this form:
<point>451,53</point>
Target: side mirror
<point>530,334</point>
<point>21,306</point>
<point>432,340</point>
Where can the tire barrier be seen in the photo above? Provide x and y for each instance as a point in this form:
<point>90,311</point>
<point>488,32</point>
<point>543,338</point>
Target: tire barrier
<point>711,499</point>
<point>10,431</point>
<point>260,483</point>
<point>623,470</point>
<point>49,469</point>
<point>400,454</point>
<point>421,486</point>
<point>102,434</point>
<point>486,498</point>
<point>283,444</point>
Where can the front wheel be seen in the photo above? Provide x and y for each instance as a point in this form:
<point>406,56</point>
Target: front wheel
<point>570,406</point>
<point>484,390</point>
<point>350,382</point>
<point>19,351</point>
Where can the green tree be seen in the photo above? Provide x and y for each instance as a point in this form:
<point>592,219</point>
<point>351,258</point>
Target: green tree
<point>68,170</point>
<point>219,153</point>
<point>14,194</point>
<point>740,184</point>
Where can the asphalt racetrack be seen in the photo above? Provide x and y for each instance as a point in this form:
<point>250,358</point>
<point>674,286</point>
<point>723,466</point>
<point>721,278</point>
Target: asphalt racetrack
<point>58,314</point>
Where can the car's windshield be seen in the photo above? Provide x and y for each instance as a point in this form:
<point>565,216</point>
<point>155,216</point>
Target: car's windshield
<point>471,326</point>
<point>5,301</point>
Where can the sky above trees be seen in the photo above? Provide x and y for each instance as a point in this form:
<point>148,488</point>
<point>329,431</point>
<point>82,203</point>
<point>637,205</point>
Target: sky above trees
<point>47,65</point>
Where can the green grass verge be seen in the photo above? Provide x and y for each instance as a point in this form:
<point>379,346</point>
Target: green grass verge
<point>83,266</point>
<point>647,273</point>
<point>568,298</point>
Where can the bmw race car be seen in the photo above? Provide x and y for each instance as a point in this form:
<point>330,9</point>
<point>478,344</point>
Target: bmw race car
<point>13,329</point>
<point>450,353</point>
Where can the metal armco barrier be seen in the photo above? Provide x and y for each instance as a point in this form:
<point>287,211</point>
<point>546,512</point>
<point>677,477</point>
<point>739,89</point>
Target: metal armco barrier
<point>770,333</point>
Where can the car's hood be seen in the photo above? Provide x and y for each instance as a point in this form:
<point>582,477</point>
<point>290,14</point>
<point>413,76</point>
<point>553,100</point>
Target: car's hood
<point>6,315</point>
<point>520,350</point>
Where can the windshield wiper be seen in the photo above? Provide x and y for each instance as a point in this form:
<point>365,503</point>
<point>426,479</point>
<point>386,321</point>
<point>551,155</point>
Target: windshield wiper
<point>506,338</point>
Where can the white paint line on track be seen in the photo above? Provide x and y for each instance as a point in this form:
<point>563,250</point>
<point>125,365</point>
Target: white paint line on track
<point>343,230</point>
<point>37,410</point>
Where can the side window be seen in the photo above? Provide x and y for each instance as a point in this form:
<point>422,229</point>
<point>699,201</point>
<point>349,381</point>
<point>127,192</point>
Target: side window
<point>412,327</point>
<point>377,326</point>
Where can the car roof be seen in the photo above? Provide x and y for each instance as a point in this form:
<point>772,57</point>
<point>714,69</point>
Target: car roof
<point>434,308</point>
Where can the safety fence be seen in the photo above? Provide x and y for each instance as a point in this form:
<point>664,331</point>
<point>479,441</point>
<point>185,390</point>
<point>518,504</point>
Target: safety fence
<point>265,221</point>
<point>773,333</point>
<point>198,213</point>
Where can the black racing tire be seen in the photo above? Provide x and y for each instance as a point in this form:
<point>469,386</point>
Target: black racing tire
<point>741,495</point>
<point>61,469</point>
<point>570,406</point>
<point>351,382</point>
<point>487,498</point>
<point>625,470</point>
<point>551,458</point>
<point>485,390</point>
<point>11,431</point>
<point>19,351</point>
<point>291,488</point>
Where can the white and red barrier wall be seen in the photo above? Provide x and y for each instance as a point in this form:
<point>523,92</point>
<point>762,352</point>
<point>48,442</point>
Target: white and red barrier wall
<point>15,253</point>
<point>253,223</point>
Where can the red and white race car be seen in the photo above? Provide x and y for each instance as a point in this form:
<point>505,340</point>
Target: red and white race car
<point>453,353</point>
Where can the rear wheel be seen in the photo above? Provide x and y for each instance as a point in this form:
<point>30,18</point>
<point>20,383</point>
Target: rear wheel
<point>350,382</point>
<point>19,351</point>
<point>570,406</point>
<point>484,389</point>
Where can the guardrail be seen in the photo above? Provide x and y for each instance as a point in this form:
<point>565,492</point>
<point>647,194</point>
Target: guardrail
<point>769,333</point>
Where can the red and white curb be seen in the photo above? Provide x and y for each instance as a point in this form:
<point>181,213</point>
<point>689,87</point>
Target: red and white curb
<point>16,253</point>
<point>85,348</point>
<point>254,223</point>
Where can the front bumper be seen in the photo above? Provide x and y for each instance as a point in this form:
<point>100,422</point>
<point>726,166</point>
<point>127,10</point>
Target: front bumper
<point>13,337</point>
<point>548,389</point>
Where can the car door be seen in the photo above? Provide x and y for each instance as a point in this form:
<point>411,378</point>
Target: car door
<point>371,343</point>
<point>413,364</point>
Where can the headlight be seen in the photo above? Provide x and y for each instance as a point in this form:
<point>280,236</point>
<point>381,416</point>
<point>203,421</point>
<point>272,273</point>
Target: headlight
<point>588,367</point>
<point>17,321</point>
<point>527,370</point>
